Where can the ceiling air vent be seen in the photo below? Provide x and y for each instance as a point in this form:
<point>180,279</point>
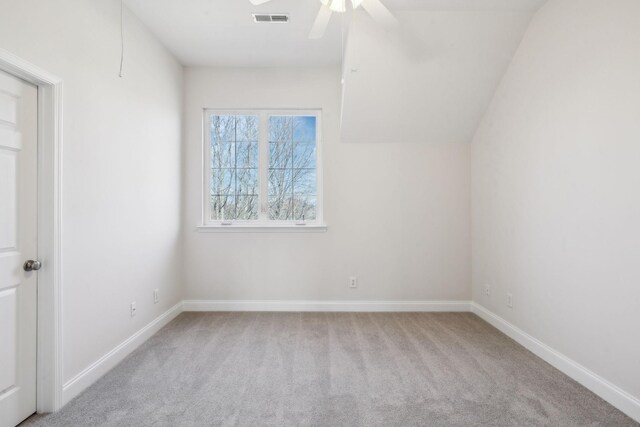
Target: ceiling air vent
<point>271,18</point>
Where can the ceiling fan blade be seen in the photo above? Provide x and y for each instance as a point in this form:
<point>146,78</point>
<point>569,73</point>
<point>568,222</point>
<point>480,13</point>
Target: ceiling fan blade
<point>380,13</point>
<point>321,22</point>
<point>258,2</point>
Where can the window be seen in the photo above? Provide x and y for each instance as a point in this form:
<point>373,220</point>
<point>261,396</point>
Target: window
<point>262,169</point>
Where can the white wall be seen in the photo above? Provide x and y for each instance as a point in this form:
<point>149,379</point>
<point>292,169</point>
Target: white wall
<point>556,206</point>
<point>121,166</point>
<point>430,81</point>
<point>418,248</point>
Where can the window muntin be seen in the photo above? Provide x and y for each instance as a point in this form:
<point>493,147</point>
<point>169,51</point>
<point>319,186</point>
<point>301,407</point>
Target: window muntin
<point>263,168</point>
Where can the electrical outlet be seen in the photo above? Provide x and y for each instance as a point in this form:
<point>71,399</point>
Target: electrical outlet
<point>353,282</point>
<point>509,300</point>
<point>133,309</point>
<point>156,296</point>
<point>487,290</point>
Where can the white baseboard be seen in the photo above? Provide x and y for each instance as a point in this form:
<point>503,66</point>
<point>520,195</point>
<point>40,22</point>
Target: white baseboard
<point>329,306</point>
<point>97,369</point>
<point>617,397</point>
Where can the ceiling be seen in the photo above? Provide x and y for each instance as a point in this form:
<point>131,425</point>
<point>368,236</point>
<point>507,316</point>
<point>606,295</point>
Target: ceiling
<point>221,33</point>
<point>432,81</point>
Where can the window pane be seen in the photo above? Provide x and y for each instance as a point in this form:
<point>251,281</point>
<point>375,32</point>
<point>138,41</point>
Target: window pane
<point>234,167</point>
<point>304,155</point>
<point>246,207</point>
<point>223,155</point>
<point>304,207</point>
<point>280,182</point>
<point>280,129</point>
<point>304,129</point>
<point>223,207</point>
<point>304,181</point>
<point>222,128</point>
<point>292,167</point>
<point>280,208</point>
<point>246,154</point>
<point>280,155</point>
<point>247,128</point>
<point>223,181</point>
<point>247,182</point>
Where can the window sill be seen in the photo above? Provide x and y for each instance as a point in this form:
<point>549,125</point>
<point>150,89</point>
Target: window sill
<point>243,228</point>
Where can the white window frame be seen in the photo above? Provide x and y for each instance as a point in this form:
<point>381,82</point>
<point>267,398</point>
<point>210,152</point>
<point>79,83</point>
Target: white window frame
<point>263,223</point>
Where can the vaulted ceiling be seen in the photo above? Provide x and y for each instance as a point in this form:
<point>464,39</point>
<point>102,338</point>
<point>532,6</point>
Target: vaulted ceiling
<point>427,81</point>
<point>222,33</point>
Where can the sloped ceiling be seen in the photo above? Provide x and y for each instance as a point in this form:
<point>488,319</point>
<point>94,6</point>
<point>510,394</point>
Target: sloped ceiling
<point>431,80</point>
<point>221,33</point>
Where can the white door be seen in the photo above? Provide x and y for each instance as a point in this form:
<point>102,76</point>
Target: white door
<point>18,243</point>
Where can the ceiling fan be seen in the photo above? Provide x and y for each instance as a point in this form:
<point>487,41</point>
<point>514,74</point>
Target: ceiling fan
<point>375,8</point>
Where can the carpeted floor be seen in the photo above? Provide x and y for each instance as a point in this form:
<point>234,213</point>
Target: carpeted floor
<point>333,369</point>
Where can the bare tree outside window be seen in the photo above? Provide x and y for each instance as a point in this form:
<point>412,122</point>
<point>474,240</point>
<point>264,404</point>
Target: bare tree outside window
<point>292,168</point>
<point>289,173</point>
<point>234,167</point>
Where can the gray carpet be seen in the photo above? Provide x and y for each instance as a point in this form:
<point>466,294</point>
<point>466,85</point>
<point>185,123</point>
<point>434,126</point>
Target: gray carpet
<point>324,369</point>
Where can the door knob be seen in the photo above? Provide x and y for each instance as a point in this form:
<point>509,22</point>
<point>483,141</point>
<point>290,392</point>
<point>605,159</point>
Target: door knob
<point>32,265</point>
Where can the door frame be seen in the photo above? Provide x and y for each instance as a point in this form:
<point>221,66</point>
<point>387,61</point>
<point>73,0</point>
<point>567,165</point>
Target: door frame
<point>49,379</point>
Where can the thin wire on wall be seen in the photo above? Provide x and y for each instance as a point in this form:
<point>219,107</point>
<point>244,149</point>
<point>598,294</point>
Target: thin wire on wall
<point>121,37</point>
